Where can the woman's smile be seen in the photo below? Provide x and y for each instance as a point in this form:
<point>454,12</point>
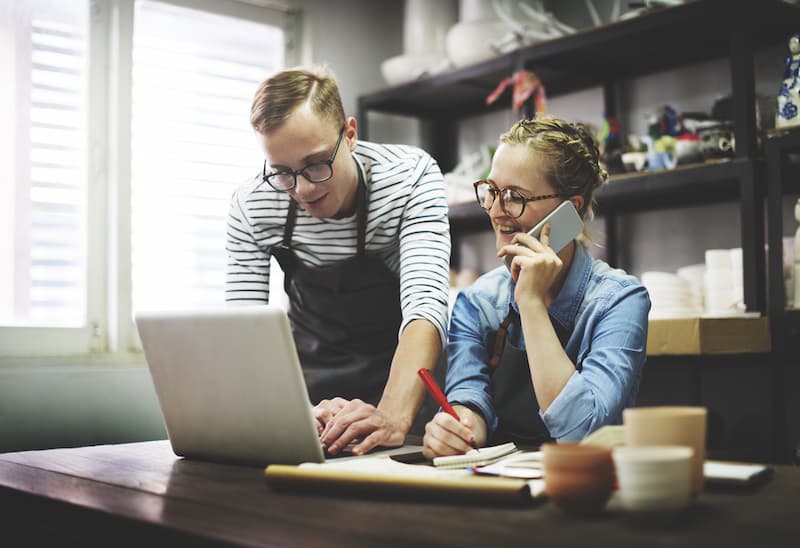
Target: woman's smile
<point>505,232</point>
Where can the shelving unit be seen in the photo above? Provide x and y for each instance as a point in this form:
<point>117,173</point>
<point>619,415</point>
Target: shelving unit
<point>783,176</point>
<point>606,57</point>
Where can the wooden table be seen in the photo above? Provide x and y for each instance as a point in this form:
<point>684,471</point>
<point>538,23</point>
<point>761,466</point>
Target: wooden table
<point>135,494</point>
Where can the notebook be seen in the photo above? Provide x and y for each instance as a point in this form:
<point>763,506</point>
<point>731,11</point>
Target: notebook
<point>229,385</point>
<point>476,457</point>
<point>384,476</point>
<point>523,464</point>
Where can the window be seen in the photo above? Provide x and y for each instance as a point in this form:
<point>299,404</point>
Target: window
<point>43,163</point>
<point>194,75</point>
<point>129,133</point>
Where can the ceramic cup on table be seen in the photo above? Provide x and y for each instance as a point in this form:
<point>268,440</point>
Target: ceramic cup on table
<point>670,425</point>
<point>654,478</point>
<point>579,479</point>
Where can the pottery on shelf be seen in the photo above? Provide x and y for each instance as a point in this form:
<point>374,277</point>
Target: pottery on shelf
<point>406,68</point>
<point>788,111</point>
<point>471,42</point>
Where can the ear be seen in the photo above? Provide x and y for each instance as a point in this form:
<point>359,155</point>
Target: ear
<point>577,201</point>
<point>351,133</point>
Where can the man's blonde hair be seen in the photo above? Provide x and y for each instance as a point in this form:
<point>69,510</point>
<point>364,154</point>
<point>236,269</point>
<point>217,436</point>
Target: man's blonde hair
<point>280,94</point>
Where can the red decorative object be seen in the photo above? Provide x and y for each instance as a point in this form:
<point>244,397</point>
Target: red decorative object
<point>525,84</point>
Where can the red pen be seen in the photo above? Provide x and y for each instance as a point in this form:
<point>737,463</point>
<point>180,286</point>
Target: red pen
<point>436,392</point>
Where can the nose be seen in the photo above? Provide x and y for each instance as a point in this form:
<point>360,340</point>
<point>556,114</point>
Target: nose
<point>496,211</point>
<point>303,187</point>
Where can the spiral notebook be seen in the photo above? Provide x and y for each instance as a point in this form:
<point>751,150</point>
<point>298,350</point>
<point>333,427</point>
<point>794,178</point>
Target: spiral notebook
<point>476,457</point>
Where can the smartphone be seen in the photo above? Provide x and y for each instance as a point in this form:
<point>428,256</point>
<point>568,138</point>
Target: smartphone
<point>565,225</point>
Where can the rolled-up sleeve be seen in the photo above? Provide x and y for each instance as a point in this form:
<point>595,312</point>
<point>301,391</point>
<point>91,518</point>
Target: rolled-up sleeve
<point>247,274</point>
<point>610,371</point>
<point>467,380</point>
<point>425,250</point>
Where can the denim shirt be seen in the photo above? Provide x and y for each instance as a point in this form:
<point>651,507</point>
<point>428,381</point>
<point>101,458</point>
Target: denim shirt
<point>603,311</point>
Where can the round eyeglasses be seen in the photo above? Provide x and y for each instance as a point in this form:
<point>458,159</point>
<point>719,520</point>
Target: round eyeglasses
<point>318,172</point>
<point>511,201</point>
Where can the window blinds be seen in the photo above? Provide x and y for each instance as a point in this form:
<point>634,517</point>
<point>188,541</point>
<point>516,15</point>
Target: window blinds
<point>194,76</point>
<point>43,271</point>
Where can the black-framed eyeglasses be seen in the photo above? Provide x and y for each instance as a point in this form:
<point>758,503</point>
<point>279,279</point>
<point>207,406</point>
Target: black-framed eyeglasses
<point>318,172</point>
<point>512,202</point>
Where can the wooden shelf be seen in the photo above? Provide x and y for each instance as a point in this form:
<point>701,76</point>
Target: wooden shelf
<point>468,217</point>
<point>693,184</point>
<point>708,336</point>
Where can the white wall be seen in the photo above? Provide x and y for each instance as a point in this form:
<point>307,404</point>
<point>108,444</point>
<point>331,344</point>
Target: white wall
<point>353,37</point>
<point>75,405</point>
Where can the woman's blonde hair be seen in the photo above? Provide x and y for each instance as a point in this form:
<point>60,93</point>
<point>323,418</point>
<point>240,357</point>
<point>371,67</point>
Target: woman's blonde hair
<point>280,94</point>
<point>568,156</point>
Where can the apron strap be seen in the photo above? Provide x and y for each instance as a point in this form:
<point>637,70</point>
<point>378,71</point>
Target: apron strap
<point>288,228</point>
<point>497,340</point>
<point>361,207</point>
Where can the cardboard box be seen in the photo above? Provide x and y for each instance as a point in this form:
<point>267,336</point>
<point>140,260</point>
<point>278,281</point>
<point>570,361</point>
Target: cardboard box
<point>693,336</point>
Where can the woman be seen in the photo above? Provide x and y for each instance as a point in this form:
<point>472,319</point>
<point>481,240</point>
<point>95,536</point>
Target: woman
<point>552,347</point>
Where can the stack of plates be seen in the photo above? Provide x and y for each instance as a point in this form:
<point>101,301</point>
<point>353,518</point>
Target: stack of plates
<point>694,274</point>
<point>723,281</point>
<point>654,478</point>
<point>671,296</point>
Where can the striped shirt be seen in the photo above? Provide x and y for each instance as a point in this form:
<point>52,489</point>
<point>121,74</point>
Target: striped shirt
<point>407,227</point>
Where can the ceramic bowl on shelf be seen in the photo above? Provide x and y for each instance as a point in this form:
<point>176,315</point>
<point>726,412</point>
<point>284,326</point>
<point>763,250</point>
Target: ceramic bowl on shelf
<point>471,42</point>
<point>406,68</point>
<point>634,161</point>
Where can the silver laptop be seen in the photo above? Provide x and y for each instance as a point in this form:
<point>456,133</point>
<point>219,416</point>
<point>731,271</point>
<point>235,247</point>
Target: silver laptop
<point>230,385</point>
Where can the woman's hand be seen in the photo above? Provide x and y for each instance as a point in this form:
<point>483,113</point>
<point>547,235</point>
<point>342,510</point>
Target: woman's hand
<point>535,266</point>
<point>444,435</point>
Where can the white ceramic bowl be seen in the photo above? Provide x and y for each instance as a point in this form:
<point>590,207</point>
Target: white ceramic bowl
<point>634,161</point>
<point>655,477</point>
<point>470,42</point>
<point>406,68</point>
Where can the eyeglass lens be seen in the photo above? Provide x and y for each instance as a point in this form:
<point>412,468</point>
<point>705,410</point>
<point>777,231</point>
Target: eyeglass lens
<point>511,201</point>
<point>316,173</point>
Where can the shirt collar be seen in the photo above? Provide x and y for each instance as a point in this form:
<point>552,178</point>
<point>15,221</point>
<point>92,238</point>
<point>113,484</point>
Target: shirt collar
<point>565,306</point>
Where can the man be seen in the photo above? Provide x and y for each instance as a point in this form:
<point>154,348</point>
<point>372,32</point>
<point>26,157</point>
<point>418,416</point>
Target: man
<point>362,235</point>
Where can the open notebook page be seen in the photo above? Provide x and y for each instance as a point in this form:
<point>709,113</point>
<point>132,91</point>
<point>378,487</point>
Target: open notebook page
<point>476,457</point>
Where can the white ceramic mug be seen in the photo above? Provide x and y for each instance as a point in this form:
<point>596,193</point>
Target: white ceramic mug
<point>654,478</point>
<point>670,425</point>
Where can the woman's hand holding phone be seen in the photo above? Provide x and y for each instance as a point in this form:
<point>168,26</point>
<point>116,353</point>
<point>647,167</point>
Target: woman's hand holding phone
<point>533,256</point>
<point>534,266</point>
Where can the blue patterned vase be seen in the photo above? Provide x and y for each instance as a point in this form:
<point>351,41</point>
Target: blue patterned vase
<point>788,113</point>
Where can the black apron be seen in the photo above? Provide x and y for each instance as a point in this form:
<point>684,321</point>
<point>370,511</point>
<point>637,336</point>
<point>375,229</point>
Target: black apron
<point>512,391</point>
<point>345,317</point>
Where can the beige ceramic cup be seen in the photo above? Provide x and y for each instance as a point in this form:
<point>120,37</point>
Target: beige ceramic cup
<point>670,425</point>
<point>579,479</point>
